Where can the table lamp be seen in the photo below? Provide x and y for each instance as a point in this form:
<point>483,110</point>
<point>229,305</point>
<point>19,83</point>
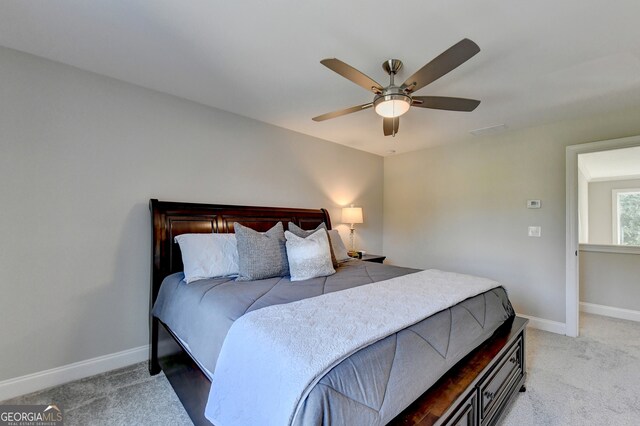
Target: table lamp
<point>352,215</point>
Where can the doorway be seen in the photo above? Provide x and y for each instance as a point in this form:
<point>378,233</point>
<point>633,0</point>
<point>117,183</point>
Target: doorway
<point>572,222</point>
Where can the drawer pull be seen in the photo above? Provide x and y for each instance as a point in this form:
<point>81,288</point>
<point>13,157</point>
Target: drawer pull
<point>513,360</point>
<point>489,395</point>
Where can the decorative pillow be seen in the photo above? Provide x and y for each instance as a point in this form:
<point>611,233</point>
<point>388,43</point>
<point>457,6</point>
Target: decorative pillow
<point>261,255</point>
<point>208,255</point>
<point>338,246</point>
<point>309,257</point>
<point>295,229</point>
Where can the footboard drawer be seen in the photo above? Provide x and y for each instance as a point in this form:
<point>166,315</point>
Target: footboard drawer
<point>498,385</point>
<point>465,413</point>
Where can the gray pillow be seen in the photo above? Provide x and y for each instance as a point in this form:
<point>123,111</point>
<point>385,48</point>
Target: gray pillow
<point>338,246</point>
<point>261,255</point>
<point>299,232</point>
<point>309,257</point>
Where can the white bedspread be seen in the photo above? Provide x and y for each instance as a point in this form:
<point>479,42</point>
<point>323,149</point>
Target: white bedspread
<point>272,357</point>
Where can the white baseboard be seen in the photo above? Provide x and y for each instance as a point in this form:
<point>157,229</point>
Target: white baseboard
<point>67,373</point>
<point>610,311</point>
<point>545,324</point>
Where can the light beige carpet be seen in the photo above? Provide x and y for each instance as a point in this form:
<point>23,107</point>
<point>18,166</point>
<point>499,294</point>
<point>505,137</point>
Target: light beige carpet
<point>128,396</point>
<point>591,380</point>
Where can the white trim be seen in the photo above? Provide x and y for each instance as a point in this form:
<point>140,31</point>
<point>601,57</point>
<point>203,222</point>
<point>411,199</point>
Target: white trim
<point>78,370</point>
<point>610,311</point>
<point>545,324</point>
<point>584,169</point>
<point>611,178</point>
<point>615,220</point>
<point>610,248</point>
<point>572,232</point>
<point>571,245</point>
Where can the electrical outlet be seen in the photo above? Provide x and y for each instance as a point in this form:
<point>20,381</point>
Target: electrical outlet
<point>534,204</point>
<point>535,231</point>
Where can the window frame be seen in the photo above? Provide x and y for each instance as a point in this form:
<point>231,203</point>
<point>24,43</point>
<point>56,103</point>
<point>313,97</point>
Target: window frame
<point>615,217</point>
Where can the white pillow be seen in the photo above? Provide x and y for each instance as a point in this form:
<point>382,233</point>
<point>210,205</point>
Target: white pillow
<point>309,257</point>
<point>208,255</point>
<point>339,249</point>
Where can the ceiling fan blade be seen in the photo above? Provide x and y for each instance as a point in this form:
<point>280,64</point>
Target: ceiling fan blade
<point>350,73</point>
<point>449,60</point>
<point>443,102</point>
<point>390,126</point>
<point>345,111</point>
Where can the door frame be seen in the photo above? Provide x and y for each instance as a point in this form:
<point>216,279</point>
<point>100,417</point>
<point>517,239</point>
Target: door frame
<point>572,231</point>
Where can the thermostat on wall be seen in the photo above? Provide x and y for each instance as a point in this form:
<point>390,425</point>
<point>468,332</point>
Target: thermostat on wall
<point>533,204</point>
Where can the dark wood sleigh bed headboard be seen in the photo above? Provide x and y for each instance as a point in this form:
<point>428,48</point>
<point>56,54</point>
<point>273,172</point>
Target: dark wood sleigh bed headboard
<point>170,219</point>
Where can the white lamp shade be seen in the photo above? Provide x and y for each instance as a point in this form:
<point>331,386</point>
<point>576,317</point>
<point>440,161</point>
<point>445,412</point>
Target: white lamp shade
<point>392,108</point>
<point>352,215</point>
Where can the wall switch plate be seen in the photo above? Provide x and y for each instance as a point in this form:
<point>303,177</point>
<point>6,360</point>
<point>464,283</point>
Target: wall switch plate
<point>534,204</point>
<point>535,231</point>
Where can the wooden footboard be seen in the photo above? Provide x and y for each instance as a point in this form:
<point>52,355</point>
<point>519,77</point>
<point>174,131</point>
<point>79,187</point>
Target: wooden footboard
<point>477,390</point>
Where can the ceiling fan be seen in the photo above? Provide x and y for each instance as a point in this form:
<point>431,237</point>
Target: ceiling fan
<point>392,101</point>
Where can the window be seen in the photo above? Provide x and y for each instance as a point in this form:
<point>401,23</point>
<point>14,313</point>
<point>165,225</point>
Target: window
<point>626,216</point>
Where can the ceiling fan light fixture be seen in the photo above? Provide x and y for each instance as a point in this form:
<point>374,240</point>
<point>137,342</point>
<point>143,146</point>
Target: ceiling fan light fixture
<point>390,106</point>
<point>393,100</point>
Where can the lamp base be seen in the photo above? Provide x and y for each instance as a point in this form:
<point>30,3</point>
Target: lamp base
<point>354,254</point>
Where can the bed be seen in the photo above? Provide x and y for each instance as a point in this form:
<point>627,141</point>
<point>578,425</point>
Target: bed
<point>461,365</point>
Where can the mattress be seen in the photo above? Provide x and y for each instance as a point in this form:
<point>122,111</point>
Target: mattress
<point>371,386</point>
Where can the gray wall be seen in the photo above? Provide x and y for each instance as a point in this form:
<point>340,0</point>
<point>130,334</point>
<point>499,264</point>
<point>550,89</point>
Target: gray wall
<point>462,207</point>
<point>600,209</point>
<point>80,156</point>
<point>610,279</point>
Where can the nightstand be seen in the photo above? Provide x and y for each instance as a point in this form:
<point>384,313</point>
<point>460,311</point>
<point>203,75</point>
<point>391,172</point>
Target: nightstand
<point>373,258</point>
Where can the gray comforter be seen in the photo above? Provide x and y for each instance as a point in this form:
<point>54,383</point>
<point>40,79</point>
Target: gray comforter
<point>370,387</point>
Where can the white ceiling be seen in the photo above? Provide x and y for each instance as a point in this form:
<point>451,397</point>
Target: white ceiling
<point>541,61</point>
<point>611,165</point>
